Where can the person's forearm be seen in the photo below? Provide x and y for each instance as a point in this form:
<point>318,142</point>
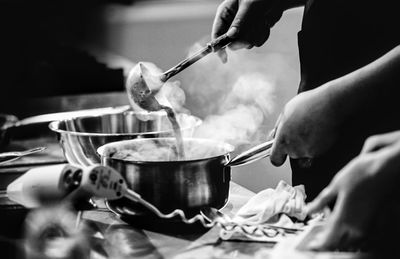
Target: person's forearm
<point>357,91</point>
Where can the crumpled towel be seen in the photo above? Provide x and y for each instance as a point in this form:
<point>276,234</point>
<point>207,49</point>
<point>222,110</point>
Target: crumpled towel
<point>269,207</point>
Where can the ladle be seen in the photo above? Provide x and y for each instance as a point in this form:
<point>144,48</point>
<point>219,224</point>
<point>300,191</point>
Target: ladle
<point>139,77</point>
<point>213,46</point>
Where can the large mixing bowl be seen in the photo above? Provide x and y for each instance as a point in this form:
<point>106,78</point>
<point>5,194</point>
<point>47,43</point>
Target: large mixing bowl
<point>81,136</point>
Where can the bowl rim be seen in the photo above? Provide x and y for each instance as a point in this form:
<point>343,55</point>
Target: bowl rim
<point>54,126</point>
<point>228,147</point>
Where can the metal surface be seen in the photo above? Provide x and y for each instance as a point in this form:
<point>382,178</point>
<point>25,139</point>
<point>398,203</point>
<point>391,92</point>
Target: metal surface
<point>253,154</point>
<point>212,46</point>
<point>80,137</point>
<point>138,90</point>
<point>9,122</point>
<point>44,118</point>
<point>188,185</point>
<point>139,78</point>
<point>14,155</point>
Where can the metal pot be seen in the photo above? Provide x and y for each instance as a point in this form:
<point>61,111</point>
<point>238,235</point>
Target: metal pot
<point>81,136</point>
<point>201,181</point>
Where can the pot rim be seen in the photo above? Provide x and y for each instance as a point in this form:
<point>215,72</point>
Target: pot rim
<point>226,146</point>
<point>55,126</point>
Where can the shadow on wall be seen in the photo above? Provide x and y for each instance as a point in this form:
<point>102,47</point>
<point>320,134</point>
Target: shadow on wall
<point>164,33</point>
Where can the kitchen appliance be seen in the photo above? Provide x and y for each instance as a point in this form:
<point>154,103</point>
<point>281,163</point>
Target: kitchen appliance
<point>51,184</point>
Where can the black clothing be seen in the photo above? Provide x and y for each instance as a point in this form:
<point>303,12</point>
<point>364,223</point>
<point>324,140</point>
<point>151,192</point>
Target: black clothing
<point>338,37</point>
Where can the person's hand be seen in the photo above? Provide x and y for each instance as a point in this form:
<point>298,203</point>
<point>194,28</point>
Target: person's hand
<point>360,190</point>
<point>248,22</point>
<point>306,128</point>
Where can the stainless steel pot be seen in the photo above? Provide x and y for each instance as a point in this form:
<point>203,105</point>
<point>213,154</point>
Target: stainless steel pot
<point>201,181</point>
<point>81,136</point>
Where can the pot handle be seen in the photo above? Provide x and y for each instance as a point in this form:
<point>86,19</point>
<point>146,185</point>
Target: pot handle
<point>253,154</point>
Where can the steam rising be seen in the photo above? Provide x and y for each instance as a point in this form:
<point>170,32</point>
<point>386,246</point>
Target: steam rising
<point>242,111</point>
<point>164,149</point>
<point>239,101</point>
<point>236,100</point>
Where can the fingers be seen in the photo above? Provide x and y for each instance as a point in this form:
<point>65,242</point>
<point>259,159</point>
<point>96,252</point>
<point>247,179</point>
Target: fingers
<point>272,133</point>
<point>240,45</point>
<point>332,233</point>
<point>243,21</point>
<point>338,232</point>
<point>278,152</point>
<point>223,55</point>
<point>240,18</point>
<point>377,142</point>
<point>223,19</point>
<point>327,240</point>
<point>322,200</point>
<point>278,155</point>
<point>283,145</point>
<point>248,26</point>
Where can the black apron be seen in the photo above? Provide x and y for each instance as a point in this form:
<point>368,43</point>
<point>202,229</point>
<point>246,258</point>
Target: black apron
<point>338,37</point>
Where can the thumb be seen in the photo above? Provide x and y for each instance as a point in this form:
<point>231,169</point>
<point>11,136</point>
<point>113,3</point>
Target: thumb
<point>278,153</point>
<point>278,150</point>
<point>322,200</point>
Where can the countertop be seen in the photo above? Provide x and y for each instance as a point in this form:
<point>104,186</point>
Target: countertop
<point>127,236</point>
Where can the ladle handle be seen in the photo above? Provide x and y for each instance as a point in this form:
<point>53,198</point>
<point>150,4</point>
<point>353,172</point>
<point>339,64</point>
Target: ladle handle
<point>253,154</point>
<point>213,46</point>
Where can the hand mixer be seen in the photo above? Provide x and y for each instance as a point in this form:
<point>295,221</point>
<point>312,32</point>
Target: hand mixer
<point>41,185</point>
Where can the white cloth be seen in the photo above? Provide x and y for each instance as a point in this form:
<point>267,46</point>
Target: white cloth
<point>269,207</point>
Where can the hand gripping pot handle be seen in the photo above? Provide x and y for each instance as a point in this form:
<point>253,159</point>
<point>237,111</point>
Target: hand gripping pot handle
<point>253,154</point>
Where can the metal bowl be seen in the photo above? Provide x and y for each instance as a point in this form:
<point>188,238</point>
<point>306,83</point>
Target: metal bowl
<point>81,136</point>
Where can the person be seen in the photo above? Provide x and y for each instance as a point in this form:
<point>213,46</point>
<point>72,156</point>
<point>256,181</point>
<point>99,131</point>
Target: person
<point>349,60</point>
<point>365,191</point>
